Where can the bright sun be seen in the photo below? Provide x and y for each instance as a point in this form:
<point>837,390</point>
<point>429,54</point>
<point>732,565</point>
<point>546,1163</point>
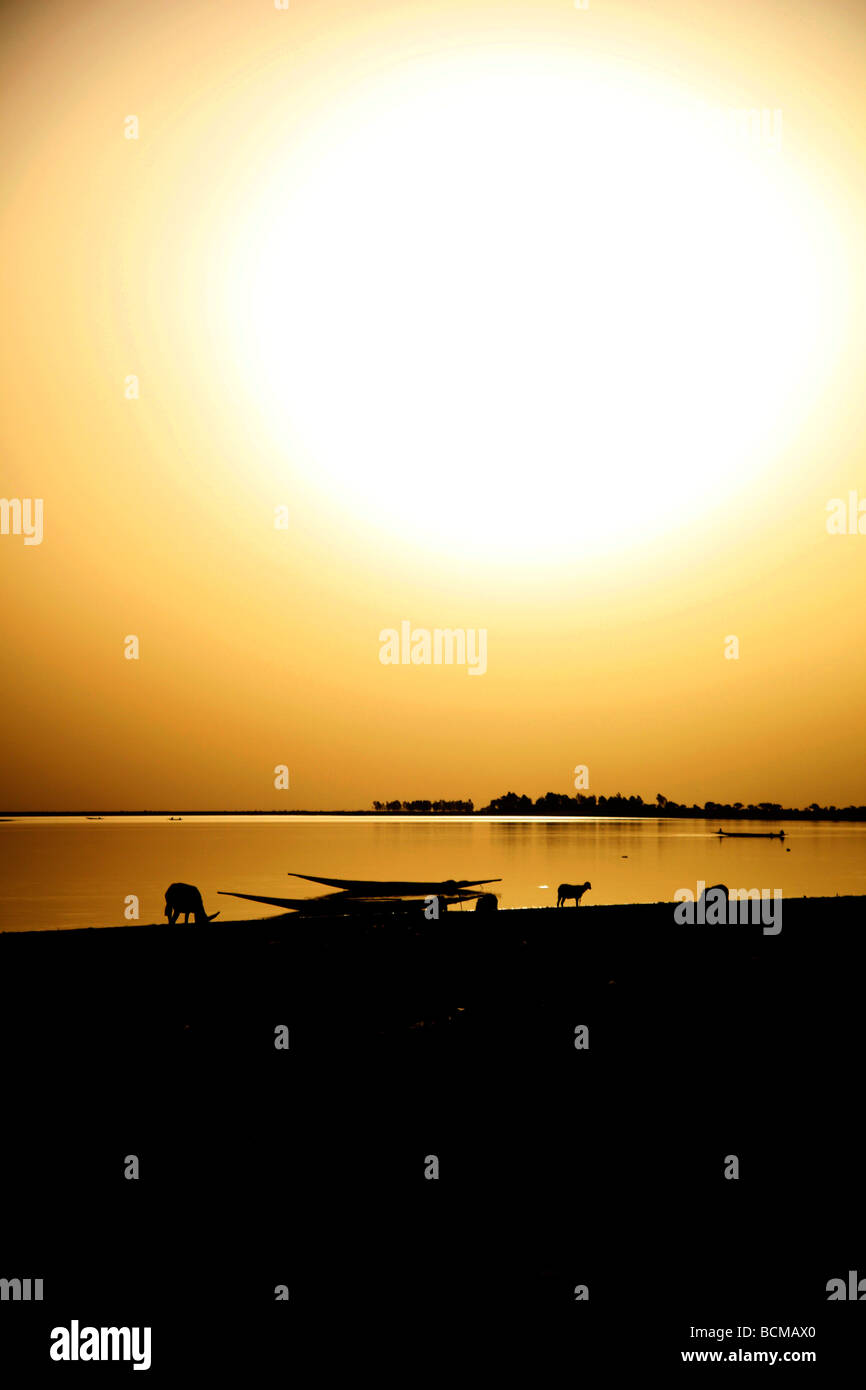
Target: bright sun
<point>526,310</point>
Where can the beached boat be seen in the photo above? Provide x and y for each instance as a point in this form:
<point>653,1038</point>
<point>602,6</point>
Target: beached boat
<point>751,834</point>
<point>349,904</point>
<point>371,895</point>
<point>390,888</point>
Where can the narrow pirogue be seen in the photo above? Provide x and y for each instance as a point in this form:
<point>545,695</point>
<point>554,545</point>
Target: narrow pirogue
<point>371,894</point>
<point>752,834</point>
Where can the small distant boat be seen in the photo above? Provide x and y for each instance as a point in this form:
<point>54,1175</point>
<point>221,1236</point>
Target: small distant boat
<point>751,834</point>
<point>94,818</point>
<point>175,817</point>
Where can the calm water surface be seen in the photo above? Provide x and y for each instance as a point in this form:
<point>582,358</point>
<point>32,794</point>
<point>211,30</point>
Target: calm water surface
<point>75,873</point>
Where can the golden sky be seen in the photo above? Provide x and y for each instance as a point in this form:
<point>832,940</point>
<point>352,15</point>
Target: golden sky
<point>526,325</point>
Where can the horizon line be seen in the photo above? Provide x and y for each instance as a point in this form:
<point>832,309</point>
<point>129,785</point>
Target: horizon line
<point>673,811</point>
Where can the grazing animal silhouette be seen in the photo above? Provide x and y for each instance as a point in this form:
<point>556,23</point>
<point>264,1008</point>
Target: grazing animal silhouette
<point>571,890</point>
<point>716,888</point>
<point>186,898</point>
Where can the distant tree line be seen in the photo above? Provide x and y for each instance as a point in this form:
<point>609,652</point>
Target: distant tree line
<point>425,808</point>
<point>560,804</point>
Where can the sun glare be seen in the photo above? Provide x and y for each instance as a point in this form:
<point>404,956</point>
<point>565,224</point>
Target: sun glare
<point>527,311</point>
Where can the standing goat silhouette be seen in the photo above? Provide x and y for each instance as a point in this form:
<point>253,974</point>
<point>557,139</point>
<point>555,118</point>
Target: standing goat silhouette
<point>571,890</point>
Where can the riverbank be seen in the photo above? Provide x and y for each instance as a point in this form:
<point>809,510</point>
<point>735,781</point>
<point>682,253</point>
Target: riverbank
<point>540,949</point>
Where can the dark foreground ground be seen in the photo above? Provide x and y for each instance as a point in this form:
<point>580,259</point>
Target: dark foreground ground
<point>520,948</point>
<point>559,1167</point>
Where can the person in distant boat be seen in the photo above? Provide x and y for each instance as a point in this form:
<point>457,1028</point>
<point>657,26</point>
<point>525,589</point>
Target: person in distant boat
<point>185,898</point>
<point>571,890</point>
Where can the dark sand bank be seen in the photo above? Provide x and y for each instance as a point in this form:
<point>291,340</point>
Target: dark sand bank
<point>536,950</point>
<point>559,1166</point>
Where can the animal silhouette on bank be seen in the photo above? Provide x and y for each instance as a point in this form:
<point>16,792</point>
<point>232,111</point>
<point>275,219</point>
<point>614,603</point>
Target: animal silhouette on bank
<point>186,898</point>
<point>721,895</point>
<point>571,890</point>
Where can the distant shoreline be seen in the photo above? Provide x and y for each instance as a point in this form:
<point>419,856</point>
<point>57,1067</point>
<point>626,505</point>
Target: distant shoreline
<point>855,814</point>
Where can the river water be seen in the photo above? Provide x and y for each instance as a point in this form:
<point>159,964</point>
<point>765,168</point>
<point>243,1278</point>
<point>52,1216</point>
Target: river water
<point>74,872</point>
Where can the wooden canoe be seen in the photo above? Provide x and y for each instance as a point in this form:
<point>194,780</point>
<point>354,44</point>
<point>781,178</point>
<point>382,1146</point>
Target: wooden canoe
<point>385,888</point>
<point>345,904</point>
<point>751,834</point>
